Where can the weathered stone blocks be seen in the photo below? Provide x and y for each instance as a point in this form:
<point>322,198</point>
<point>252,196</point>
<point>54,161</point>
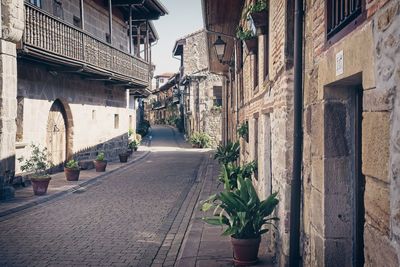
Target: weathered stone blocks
<point>375,144</point>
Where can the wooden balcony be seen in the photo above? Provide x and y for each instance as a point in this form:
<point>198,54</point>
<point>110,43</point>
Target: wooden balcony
<point>53,40</point>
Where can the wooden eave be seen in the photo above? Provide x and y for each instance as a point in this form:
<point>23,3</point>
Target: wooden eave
<point>220,20</point>
<point>142,9</point>
<point>178,47</point>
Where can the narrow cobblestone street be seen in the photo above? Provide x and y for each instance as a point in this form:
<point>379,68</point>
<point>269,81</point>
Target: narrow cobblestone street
<point>120,220</point>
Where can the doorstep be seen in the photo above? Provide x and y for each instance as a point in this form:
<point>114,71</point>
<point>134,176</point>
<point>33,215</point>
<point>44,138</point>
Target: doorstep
<point>24,197</point>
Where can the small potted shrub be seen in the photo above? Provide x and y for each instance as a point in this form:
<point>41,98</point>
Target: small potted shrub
<point>134,144</point>
<point>244,216</point>
<point>100,163</point>
<point>227,154</point>
<point>200,140</point>
<point>36,166</point>
<point>123,157</point>
<point>72,170</point>
<point>248,37</point>
<point>243,131</point>
<point>257,14</point>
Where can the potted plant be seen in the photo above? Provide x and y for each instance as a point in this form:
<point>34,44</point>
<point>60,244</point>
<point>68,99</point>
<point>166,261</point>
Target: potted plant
<point>249,39</point>
<point>243,131</point>
<point>257,15</point>
<point>72,170</point>
<point>244,216</point>
<point>134,144</point>
<point>36,166</point>
<point>200,140</point>
<point>123,157</point>
<point>100,163</point>
<point>228,153</point>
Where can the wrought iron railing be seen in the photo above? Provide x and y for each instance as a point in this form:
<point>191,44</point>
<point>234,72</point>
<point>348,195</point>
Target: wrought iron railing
<point>340,13</point>
<point>52,35</point>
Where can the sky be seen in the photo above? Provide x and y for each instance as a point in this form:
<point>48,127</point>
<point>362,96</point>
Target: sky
<point>184,18</point>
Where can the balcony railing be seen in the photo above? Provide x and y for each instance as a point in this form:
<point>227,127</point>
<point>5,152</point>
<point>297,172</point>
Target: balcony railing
<point>54,36</point>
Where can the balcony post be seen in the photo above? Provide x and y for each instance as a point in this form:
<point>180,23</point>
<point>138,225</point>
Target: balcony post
<point>138,40</point>
<point>146,44</point>
<point>130,31</point>
<point>110,19</point>
<point>82,14</point>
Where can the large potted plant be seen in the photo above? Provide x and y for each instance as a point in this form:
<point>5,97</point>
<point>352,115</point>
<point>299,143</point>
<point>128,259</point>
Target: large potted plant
<point>100,163</point>
<point>134,145</point>
<point>36,166</point>
<point>123,157</point>
<point>72,170</point>
<point>244,216</point>
<point>228,153</point>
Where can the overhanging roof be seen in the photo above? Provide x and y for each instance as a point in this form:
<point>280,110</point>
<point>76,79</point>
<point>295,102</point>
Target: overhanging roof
<point>220,20</point>
<point>143,9</point>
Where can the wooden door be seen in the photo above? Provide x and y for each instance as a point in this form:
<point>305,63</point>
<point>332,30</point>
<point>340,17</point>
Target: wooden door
<point>56,134</point>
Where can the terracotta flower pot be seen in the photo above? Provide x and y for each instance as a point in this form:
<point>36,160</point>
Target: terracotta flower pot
<point>40,185</point>
<point>100,165</point>
<point>245,251</point>
<point>251,44</point>
<point>72,174</point>
<point>123,157</point>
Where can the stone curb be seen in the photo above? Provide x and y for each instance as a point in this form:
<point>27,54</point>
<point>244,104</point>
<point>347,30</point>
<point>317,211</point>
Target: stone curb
<point>70,190</point>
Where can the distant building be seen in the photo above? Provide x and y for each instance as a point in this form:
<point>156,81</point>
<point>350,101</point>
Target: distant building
<point>201,89</point>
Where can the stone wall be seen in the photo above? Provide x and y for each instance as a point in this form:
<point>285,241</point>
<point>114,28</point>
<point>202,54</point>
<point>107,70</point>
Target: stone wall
<point>201,101</point>
<point>331,142</point>
<point>91,109</point>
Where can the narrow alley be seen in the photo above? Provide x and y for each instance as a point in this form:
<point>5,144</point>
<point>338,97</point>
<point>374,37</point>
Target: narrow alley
<point>121,219</point>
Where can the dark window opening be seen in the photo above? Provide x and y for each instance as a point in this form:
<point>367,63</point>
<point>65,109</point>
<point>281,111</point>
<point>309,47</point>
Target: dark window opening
<point>58,9</point>
<point>217,96</point>
<point>340,13</point>
<point>77,21</point>
<point>108,38</point>
<point>37,3</point>
<point>255,71</point>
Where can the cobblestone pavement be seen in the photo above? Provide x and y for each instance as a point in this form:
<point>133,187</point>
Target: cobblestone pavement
<point>120,220</point>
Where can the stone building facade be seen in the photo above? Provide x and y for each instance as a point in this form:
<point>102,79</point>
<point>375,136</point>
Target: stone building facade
<point>350,200</point>
<point>74,77</point>
<point>202,89</point>
<point>351,137</point>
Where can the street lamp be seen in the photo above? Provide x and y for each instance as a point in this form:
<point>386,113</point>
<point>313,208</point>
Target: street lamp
<point>220,46</point>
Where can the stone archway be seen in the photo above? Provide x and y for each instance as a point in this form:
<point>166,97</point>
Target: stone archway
<point>59,132</point>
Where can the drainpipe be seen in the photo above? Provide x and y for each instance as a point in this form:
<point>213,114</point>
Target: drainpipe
<point>294,251</point>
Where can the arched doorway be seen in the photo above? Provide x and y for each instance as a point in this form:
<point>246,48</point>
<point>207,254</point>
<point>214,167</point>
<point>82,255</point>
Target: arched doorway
<point>57,132</point>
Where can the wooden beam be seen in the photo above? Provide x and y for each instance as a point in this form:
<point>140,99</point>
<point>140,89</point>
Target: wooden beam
<point>146,44</point>
<point>138,41</point>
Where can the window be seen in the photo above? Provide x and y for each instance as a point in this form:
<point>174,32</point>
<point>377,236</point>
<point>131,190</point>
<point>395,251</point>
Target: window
<point>256,144</point>
<point>19,120</point>
<point>161,80</point>
<point>58,9</point>
<point>77,21</point>
<point>130,121</point>
<point>108,38</point>
<point>266,56</point>
<point>217,96</point>
<point>93,114</point>
<point>255,70</point>
<point>116,121</point>
<point>37,3</point>
<point>341,13</point>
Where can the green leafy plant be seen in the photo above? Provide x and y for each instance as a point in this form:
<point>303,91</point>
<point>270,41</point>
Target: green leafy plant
<point>243,130</point>
<point>230,173</point>
<point>38,163</point>
<point>241,211</point>
<point>133,144</point>
<point>257,6</point>
<point>101,156</point>
<point>130,132</point>
<point>200,139</point>
<point>244,34</point>
<point>228,153</point>
<point>72,164</point>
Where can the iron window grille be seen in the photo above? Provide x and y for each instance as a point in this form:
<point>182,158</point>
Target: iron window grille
<point>340,13</point>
